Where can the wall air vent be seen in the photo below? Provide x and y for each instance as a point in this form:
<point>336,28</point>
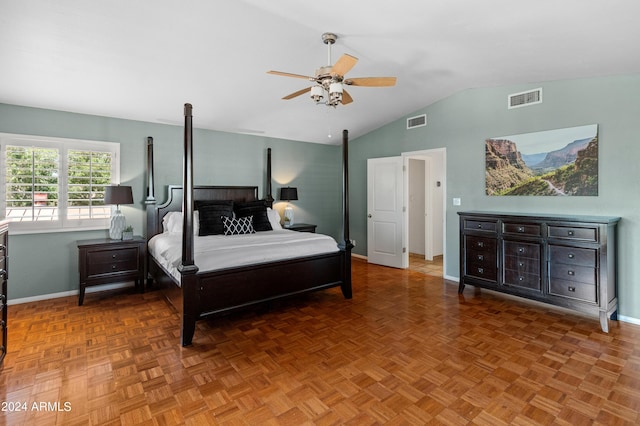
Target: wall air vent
<point>417,121</point>
<point>531,97</point>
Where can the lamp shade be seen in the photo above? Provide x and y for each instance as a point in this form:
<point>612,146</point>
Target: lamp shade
<point>288,193</point>
<point>118,195</point>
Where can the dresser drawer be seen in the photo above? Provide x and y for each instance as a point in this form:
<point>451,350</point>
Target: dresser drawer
<point>575,273</point>
<point>573,255</point>
<point>480,225</point>
<point>521,249</point>
<point>521,279</point>
<point>485,272</point>
<point>481,244</point>
<point>527,229</point>
<point>574,233</point>
<point>522,265</point>
<point>574,290</point>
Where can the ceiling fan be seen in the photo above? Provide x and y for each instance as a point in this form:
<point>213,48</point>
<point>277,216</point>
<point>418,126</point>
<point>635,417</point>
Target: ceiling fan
<point>330,80</point>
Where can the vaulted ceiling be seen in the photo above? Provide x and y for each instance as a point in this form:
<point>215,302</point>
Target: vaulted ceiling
<point>144,59</point>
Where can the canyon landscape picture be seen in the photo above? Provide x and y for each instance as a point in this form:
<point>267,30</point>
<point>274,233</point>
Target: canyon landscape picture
<point>561,162</point>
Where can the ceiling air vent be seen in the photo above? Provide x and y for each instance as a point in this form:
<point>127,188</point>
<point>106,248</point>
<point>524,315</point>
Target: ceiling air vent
<point>531,97</point>
<point>417,121</point>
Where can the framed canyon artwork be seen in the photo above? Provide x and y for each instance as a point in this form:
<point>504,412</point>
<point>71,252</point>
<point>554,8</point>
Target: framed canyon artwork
<point>561,162</point>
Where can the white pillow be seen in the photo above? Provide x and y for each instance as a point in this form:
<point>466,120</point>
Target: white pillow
<point>172,222</point>
<point>274,218</point>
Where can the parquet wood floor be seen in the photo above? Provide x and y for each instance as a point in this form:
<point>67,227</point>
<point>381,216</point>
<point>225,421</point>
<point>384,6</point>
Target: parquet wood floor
<point>405,350</point>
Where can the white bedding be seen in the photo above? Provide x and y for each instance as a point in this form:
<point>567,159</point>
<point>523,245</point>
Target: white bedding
<point>215,252</point>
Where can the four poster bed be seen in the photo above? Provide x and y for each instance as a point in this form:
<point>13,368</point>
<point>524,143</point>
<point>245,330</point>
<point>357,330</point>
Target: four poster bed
<point>217,282</point>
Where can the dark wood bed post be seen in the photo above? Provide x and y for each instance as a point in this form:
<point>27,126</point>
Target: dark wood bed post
<point>346,245</point>
<point>269,197</point>
<point>150,202</point>
<point>188,268</point>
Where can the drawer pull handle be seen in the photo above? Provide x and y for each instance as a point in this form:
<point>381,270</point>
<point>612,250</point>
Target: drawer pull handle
<point>520,278</point>
<point>572,256</point>
<point>479,226</point>
<point>480,257</point>
<point>113,266</point>
<point>113,256</point>
<point>570,233</point>
<point>520,228</point>
<point>2,297</point>
<point>3,274</point>
<point>571,289</point>
<point>572,273</point>
<point>481,270</point>
<point>521,264</point>
<point>3,248</point>
<point>480,244</point>
<point>520,249</point>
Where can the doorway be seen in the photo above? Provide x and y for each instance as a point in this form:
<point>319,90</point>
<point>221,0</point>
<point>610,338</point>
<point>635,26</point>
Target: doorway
<point>391,194</point>
<point>425,191</point>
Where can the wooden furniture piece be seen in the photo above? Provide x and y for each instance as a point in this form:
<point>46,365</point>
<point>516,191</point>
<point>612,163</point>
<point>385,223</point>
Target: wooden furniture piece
<point>4,276</point>
<point>302,227</point>
<point>568,261</point>
<point>200,294</point>
<point>104,261</point>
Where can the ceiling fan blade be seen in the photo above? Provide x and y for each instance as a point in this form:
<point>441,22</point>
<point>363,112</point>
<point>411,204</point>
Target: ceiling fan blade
<point>344,64</point>
<point>346,98</point>
<point>298,93</point>
<point>371,81</point>
<point>288,74</point>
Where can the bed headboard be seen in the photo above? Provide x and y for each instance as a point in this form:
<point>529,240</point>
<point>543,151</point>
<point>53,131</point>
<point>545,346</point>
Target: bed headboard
<point>173,201</point>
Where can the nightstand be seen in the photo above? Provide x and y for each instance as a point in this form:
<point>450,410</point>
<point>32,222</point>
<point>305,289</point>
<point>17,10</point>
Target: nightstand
<point>105,261</point>
<point>302,227</point>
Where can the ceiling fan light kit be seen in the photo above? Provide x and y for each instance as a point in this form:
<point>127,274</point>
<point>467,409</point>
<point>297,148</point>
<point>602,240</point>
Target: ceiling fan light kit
<point>329,80</point>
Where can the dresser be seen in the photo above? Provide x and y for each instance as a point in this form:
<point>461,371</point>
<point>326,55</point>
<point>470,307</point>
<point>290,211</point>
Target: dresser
<point>568,261</point>
<point>104,261</point>
<point>4,267</point>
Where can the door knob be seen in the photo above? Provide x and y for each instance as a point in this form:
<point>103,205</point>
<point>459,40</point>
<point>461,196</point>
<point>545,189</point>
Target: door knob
<point>369,216</point>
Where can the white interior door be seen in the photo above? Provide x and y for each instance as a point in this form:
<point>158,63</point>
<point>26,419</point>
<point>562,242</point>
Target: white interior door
<point>385,212</point>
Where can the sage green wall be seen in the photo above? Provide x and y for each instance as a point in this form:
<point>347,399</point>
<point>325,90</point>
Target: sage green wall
<point>46,263</point>
<point>462,122</point>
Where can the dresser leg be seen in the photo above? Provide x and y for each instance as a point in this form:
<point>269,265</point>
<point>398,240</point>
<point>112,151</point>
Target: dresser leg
<point>460,288</point>
<point>81,296</point>
<point>604,321</point>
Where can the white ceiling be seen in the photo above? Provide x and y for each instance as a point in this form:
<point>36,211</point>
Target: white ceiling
<point>144,59</point>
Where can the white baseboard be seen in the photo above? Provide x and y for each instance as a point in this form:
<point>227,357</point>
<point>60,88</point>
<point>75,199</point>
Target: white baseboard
<point>630,320</point>
<point>92,289</point>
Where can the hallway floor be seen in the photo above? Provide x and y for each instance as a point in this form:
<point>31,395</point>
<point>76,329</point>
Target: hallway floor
<point>418,263</point>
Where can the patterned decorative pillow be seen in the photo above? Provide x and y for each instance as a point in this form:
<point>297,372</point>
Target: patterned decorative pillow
<point>235,226</point>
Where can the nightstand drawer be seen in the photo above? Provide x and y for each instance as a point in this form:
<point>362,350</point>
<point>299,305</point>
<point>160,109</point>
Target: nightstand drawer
<point>112,261</point>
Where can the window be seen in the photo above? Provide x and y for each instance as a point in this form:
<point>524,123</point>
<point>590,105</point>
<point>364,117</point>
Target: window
<point>53,183</point>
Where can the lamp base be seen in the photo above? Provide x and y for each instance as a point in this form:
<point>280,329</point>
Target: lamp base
<point>118,223</point>
<point>288,216</point>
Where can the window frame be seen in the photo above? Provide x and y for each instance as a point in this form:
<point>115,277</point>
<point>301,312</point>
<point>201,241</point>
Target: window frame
<point>62,224</point>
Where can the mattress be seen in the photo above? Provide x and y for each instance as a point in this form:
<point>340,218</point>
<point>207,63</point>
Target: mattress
<point>215,252</point>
